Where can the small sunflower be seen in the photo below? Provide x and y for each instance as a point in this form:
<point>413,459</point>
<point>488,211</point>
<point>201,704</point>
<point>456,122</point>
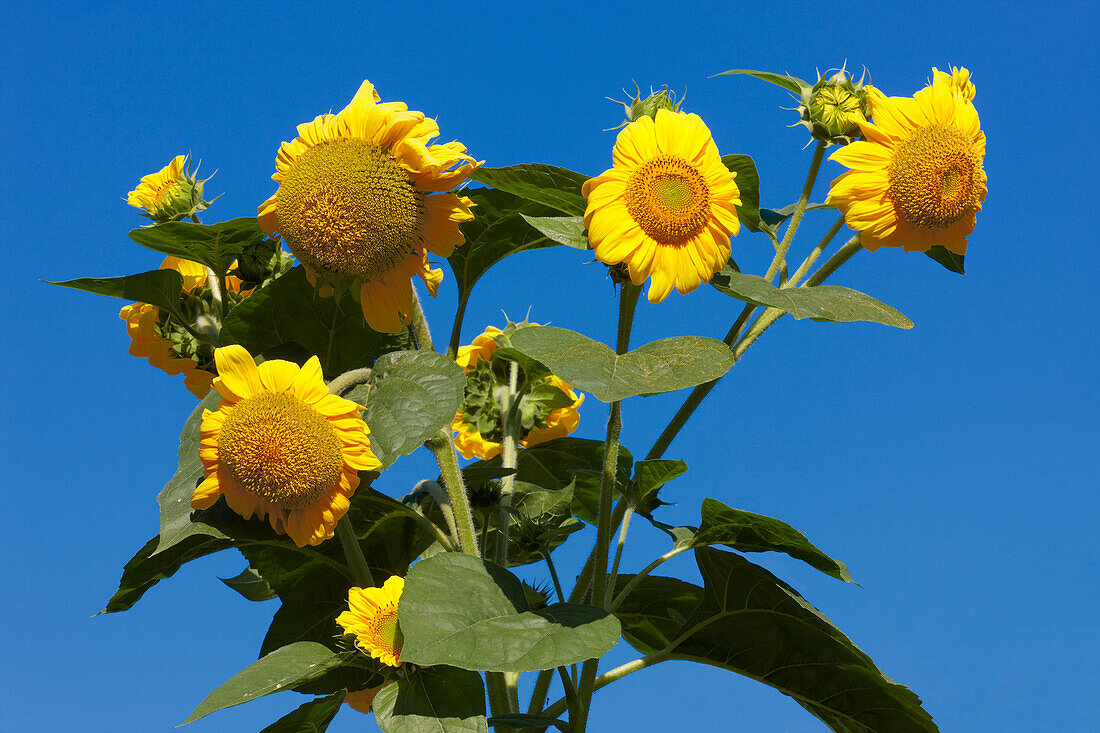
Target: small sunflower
<point>170,194</point>
<point>361,202</point>
<point>917,179</point>
<point>372,618</point>
<point>281,447</point>
<point>478,425</point>
<point>165,344</point>
<point>668,207</point>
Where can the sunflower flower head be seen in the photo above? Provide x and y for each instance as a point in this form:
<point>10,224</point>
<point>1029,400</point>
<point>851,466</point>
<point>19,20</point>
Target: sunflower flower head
<point>372,619</point>
<point>667,209</point>
<point>959,81</point>
<point>281,447</point>
<point>168,344</point>
<point>548,407</point>
<point>171,194</point>
<point>363,199</point>
<point>833,108</point>
<point>917,180</point>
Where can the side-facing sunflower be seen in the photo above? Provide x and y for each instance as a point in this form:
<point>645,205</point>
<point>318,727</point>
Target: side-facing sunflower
<point>281,447</point>
<point>372,618</point>
<point>478,425</point>
<point>170,194</point>
<point>917,179</point>
<point>165,344</point>
<point>360,203</point>
<point>668,207</point>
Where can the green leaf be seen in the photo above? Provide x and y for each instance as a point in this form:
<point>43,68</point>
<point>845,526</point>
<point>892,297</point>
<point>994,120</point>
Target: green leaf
<point>653,615</point>
<point>660,366</point>
<point>213,245</point>
<point>469,613</point>
<point>748,532</point>
<point>499,229</point>
<point>567,230</point>
<point>792,84</point>
<point>939,253</point>
<point>251,585</point>
<point>145,570</point>
<point>756,625</point>
<point>822,303</point>
<point>773,218</point>
<point>311,717</point>
<point>289,311</point>
<point>748,183</point>
<point>278,671</point>
<point>524,720</point>
<point>157,287</point>
<point>549,185</point>
<point>436,700</point>
<point>412,396</point>
<point>552,464</point>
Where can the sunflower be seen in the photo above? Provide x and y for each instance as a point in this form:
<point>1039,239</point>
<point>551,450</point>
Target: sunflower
<point>372,618</point>
<point>280,446</point>
<point>482,410</point>
<point>959,81</point>
<point>361,202</point>
<point>668,207</point>
<point>165,344</point>
<point>170,194</point>
<point>917,180</point>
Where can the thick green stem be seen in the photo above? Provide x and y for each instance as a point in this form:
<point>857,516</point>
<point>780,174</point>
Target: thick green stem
<point>538,695</point>
<point>509,458</point>
<point>348,381</point>
<point>442,445</point>
<point>553,575</point>
<point>624,528</point>
<point>456,329</point>
<point>420,326</point>
<point>497,688</point>
<point>354,553</point>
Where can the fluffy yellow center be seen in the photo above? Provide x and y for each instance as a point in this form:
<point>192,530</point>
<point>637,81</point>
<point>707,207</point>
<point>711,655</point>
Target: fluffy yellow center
<point>347,207</point>
<point>280,449</point>
<point>669,199</point>
<point>383,634</point>
<point>935,177</point>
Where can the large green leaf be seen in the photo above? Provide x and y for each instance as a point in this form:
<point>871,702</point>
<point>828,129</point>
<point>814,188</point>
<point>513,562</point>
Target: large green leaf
<point>251,585</point>
<point>558,188</point>
<point>748,532</point>
<point>436,700</point>
<point>156,287</point>
<point>660,366</point>
<point>939,253</point>
<point>567,230</point>
<point>792,84</point>
<point>499,229</point>
<point>752,623</point>
<point>654,613</point>
<point>213,245</point>
<point>411,396</point>
<point>145,569</point>
<point>552,464</point>
<point>469,613</point>
<point>822,303</point>
<point>650,476</point>
<point>311,717</point>
<point>289,311</point>
<point>748,183</point>
<point>278,671</point>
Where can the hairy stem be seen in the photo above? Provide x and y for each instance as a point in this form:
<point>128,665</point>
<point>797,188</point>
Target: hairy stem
<point>443,447</point>
<point>354,553</point>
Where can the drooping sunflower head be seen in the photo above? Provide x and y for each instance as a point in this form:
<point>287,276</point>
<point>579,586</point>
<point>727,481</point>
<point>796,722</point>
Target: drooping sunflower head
<point>281,447</point>
<point>171,194</point>
<point>372,619</point>
<point>917,180</point>
<point>958,80</point>
<point>549,407</point>
<point>360,203</point>
<point>667,209</point>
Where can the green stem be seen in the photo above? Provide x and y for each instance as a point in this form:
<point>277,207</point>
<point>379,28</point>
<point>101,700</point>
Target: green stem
<point>633,583</point>
<point>799,210</point>
<point>421,332</point>
<point>348,381</point>
<point>553,575</point>
<point>354,553</point>
<point>443,447</point>
<point>497,688</point>
<point>843,255</point>
<point>618,556</point>
<point>509,459</point>
<point>628,299</point>
<point>812,257</point>
<point>538,695</point>
<point>456,329</point>
<point>610,676</point>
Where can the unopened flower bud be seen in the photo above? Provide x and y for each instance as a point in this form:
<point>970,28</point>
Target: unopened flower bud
<point>833,108</point>
<point>171,194</point>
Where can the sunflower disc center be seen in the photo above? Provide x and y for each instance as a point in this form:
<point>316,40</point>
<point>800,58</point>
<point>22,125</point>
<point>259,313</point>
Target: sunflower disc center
<point>935,177</point>
<point>347,207</point>
<point>385,632</point>
<point>668,199</point>
<point>280,449</point>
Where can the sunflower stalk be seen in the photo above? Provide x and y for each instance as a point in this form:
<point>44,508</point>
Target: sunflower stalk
<point>357,562</point>
<point>509,408</point>
<point>799,210</point>
<point>443,447</point>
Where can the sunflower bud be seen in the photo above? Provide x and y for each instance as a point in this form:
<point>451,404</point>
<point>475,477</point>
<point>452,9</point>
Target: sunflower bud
<point>171,194</point>
<point>833,108</point>
<point>640,106</point>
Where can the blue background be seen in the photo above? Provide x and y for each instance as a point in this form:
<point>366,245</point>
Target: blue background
<point>953,466</point>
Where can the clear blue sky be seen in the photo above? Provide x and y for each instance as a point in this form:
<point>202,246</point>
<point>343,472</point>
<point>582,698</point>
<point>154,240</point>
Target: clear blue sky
<point>953,466</point>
